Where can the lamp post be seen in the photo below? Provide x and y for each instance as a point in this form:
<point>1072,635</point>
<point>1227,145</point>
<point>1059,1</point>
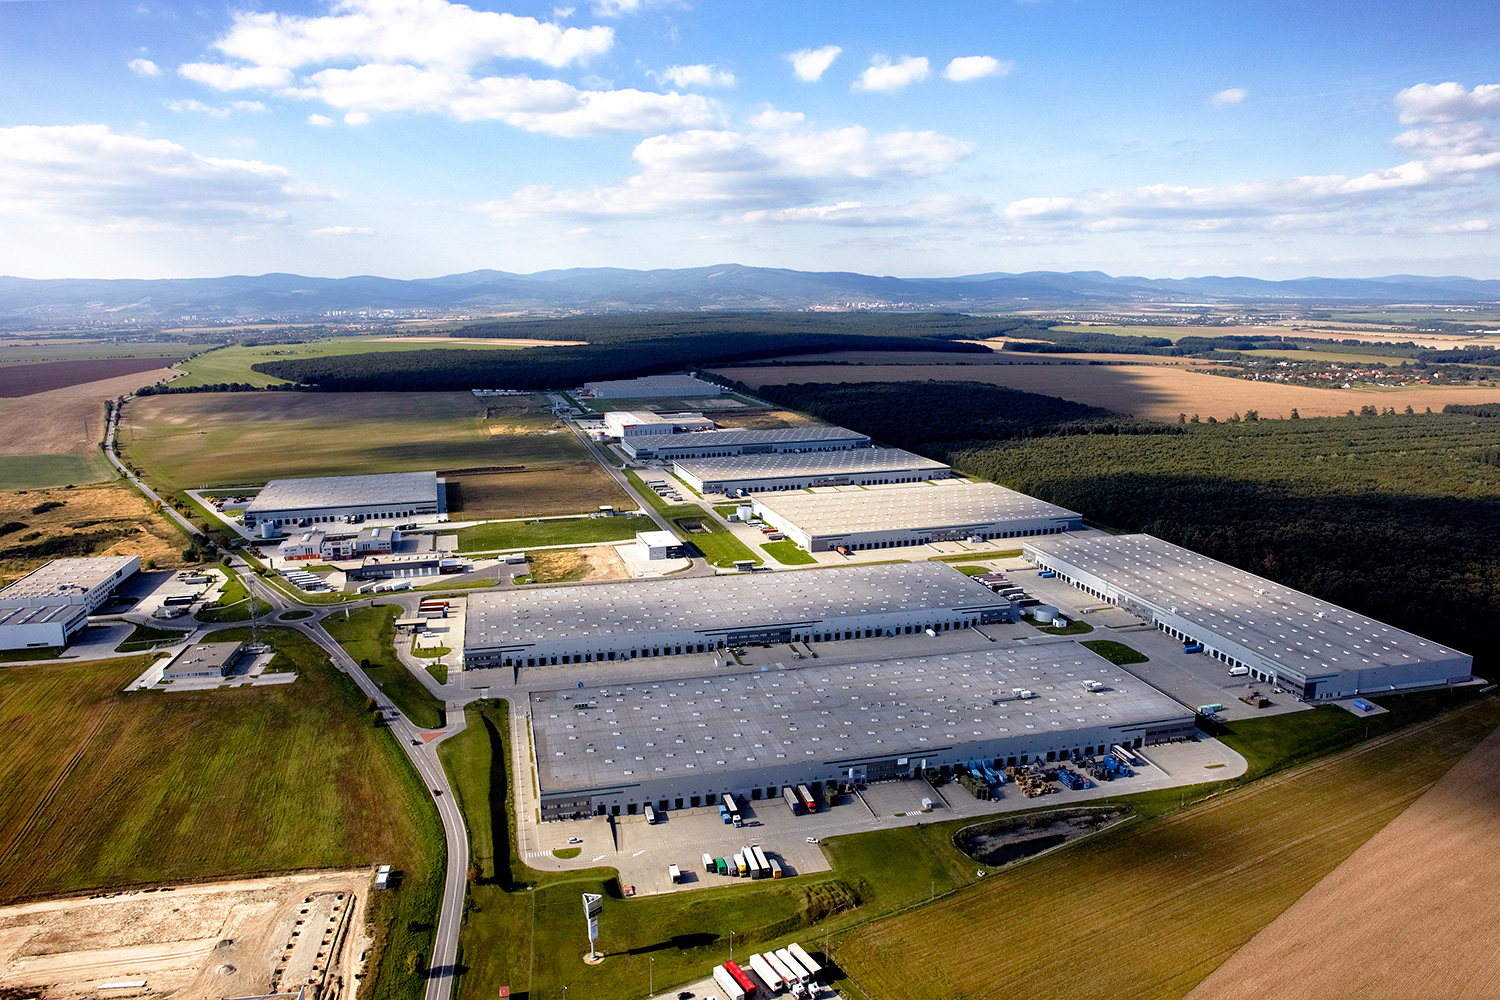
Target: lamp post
<point>652,978</point>
<point>731,946</point>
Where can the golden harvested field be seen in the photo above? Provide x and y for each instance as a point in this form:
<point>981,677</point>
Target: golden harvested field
<point>99,520</point>
<point>1414,912</point>
<point>68,421</point>
<point>1153,391</point>
<point>1148,909</point>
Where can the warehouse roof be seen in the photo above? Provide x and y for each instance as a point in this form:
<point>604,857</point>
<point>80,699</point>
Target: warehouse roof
<point>738,437</point>
<point>667,384</point>
<point>629,609</point>
<point>1309,635</point>
<point>710,726</point>
<point>346,491</point>
<point>914,506</point>
<point>829,463</point>
<point>66,577</point>
<point>25,614</point>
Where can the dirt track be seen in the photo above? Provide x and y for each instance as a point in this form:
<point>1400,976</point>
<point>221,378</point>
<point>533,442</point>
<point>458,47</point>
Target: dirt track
<point>243,938</point>
<point>1412,913</point>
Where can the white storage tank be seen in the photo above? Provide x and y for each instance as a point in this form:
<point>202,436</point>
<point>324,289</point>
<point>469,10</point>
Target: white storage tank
<point>1045,614</point>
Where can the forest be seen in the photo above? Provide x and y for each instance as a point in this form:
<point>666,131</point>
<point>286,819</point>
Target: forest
<point>618,347</point>
<point>1391,515</point>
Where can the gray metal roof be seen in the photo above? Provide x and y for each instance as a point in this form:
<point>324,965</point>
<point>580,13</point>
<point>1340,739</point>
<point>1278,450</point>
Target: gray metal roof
<point>915,506</point>
<point>1287,626</point>
<point>852,461</point>
<point>639,608</point>
<point>737,437</point>
<point>346,491</point>
<point>708,726</point>
<point>668,385</point>
<point>65,577</point>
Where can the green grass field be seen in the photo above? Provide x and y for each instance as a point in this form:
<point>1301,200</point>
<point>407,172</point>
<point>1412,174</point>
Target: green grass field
<point>718,544</point>
<point>1190,886</point>
<point>232,364</point>
<point>32,351</point>
<point>1115,652</point>
<point>369,635</point>
<point>234,604</point>
<point>151,787</point>
<point>651,496</point>
<point>144,638</point>
<point>1357,359</point>
<point>788,553</point>
<point>558,531</point>
<point>35,472</point>
<point>1074,627</point>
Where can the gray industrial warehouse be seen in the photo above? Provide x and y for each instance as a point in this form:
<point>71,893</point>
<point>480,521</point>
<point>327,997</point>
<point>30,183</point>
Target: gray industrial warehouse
<point>1314,649</point>
<point>768,473</point>
<point>650,386</point>
<point>676,744</point>
<point>392,496</point>
<point>665,617</point>
<point>51,604</point>
<point>721,444</point>
<point>892,516</point>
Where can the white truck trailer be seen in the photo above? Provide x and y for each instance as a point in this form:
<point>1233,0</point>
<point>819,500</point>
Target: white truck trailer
<point>732,989</point>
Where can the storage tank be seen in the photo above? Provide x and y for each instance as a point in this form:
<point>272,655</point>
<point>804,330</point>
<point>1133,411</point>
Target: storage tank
<point>268,529</point>
<point>1044,613</point>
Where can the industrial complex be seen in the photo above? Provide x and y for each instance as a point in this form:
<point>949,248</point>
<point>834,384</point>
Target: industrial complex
<point>1314,649</point>
<point>893,516</point>
<point>675,744</point>
<point>624,424</point>
<point>50,605</point>
<point>651,386</point>
<point>302,502</point>
<point>664,617</point>
<point>782,471</point>
<point>721,444</point>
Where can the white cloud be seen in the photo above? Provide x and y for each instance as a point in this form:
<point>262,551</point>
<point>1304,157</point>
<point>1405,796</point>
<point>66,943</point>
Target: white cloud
<point>563,13</point>
<point>616,8</point>
<point>212,111</point>
<point>974,67</point>
<point>947,210</point>
<point>90,172</point>
<point>1459,228</point>
<point>342,231</point>
<point>1447,102</point>
<point>221,77</point>
<point>698,75</point>
<point>888,77</point>
<point>1224,98</point>
<point>356,118</point>
<point>771,119</point>
<point>322,121</point>
<point>144,67</point>
<point>811,64</point>
<point>730,174</point>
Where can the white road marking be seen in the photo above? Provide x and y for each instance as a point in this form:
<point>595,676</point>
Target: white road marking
<point>599,858</point>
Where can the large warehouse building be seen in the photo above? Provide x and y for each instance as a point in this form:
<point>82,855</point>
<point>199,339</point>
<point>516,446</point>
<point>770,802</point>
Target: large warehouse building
<point>768,473</point>
<point>1314,649</point>
<point>666,617</point>
<point>624,423</point>
<point>50,605</point>
<point>392,496</point>
<point>721,444</point>
<point>892,516</point>
<point>650,386</point>
<point>676,744</point>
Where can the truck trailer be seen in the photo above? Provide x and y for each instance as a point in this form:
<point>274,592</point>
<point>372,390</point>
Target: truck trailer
<point>726,982</point>
<point>793,966</point>
<point>746,983</point>
<point>804,959</point>
<point>808,802</point>
<point>789,794</point>
<point>761,864</point>
<point>768,975</point>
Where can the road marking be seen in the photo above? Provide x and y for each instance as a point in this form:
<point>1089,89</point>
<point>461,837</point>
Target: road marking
<point>599,858</point>
<point>637,854</point>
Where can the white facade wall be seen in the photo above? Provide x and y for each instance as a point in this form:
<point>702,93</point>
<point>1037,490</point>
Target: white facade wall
<point>42,628</point>
<point>808,480</point>
<point>901,537</point>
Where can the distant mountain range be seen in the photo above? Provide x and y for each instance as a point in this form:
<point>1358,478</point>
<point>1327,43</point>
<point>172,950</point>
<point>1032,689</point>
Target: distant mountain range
<point>27,302</point>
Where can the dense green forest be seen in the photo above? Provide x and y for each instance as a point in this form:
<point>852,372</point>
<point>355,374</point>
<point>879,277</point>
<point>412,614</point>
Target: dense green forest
<point>631,346</point>
<point>1394,516</point>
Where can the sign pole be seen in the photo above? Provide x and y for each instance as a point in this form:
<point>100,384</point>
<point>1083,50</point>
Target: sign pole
<point>592,904</point>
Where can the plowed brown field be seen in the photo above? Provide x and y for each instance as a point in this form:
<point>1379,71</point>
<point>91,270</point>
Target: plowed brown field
<point>1412,913</point>
<point>26,380</point>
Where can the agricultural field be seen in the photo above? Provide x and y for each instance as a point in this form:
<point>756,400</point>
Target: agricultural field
<point>153,788</point>
<point>1152,391</point>
<point>27,380</point>
<point>1424,889</point>
<point>232,364</point>
<point>38,350</point>
<point>505,454</point>
<point>89,521</point>
<point>1192,886</point>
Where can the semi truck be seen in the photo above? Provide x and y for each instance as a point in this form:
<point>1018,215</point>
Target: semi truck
<point>768,975</point>
<point>793,966</point>
<point>745,982</point>
<point>763,867</point>
<point>731,808</point>
<point>674,873</point>
<point>775,868</point>
<point>708,863</point>
<point>789,794</point>
<point>740,868</point>
<point>808,802</point>
<point>774,961</point>
<point>804,959</point>
<point>726,982</point>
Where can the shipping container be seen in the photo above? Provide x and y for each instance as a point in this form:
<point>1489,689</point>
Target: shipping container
<point>674,873</point>
<point>739,866</point>
<point>775,868</point>
<point>721,866</point>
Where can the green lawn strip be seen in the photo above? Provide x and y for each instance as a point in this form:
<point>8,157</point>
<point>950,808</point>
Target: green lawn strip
<point>649,494</point>
<point>234,604</point>
<point>369,636</point>
<point>23,655</point>
<point>567,853</point>
<point>1115,652</point>
<point>499,535</point>
<point>972,570</point>
<point>1075,627</point>
<point>457,585</point>
<point>144,637</point>
<point>1167,872</point>
<point>725,509</point>
<point>429,652</point>
<point>439,671</point>
<point>294,615</point>
<point>977,556</point>
<point>788,553</point>
<point>719,546</point>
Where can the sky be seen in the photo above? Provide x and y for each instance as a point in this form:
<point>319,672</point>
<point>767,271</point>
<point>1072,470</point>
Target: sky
<point>414,138</point>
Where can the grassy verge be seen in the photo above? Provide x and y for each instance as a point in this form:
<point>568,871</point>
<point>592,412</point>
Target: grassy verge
<point>788,553</point>
<point>1115,652</point>
<point>23,655</point>
<point>294,615</point>
<point>977,556</point>
<point>144,638</point>
<point>234,604</point>
<point>973,570</point>
<point>718,545</point>
<point>438,671</point>
<point>557,531</point>
<point>648,494</point>
<point>1167,874</point>
<point>369,635</point>
<point>1074,627</point>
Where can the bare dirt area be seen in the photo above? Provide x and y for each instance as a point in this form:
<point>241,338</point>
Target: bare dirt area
<point>1153,391</point>
<point>88,520</point>
<point>763,420</point>
<point>539,491</point>
<point>65,421</point>
<point>1016,838</point>
<point>1412,913</point>
<point>245,938</point>
<point>27,380</point>
<point>597,562</point>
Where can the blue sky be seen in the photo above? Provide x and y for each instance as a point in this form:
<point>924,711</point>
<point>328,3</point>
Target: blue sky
<point>421,137</point>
